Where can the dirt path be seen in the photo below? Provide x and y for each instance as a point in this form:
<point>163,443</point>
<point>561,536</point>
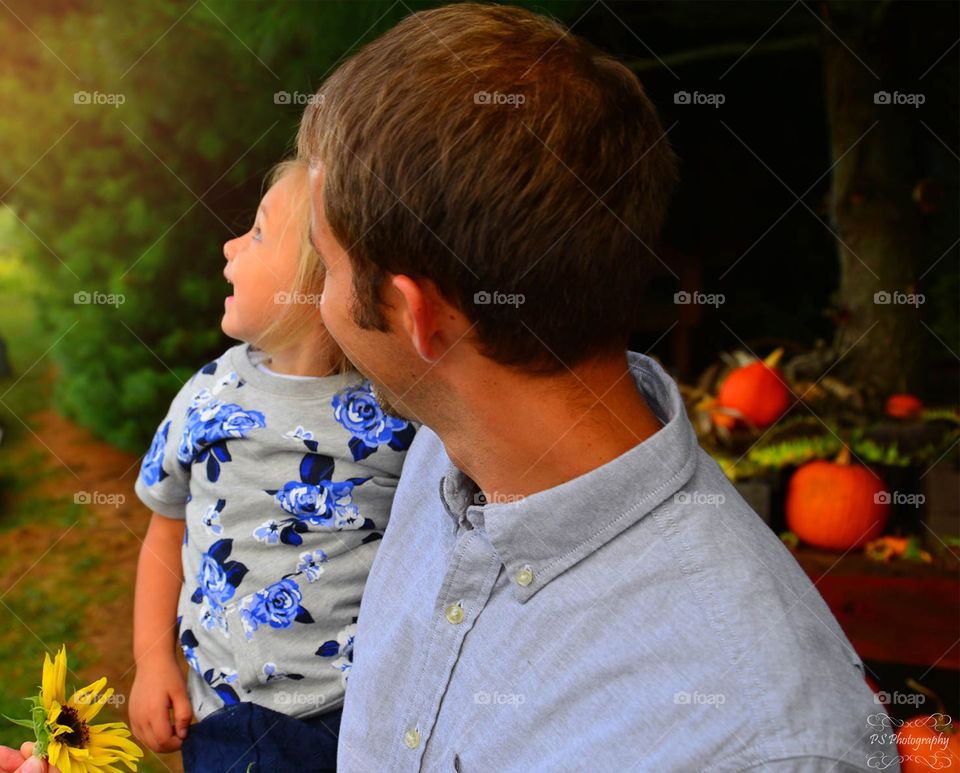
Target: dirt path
<point>99,548</point>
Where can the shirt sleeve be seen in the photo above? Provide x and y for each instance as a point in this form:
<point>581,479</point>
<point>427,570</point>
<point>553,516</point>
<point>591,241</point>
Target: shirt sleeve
<point>163,484</point>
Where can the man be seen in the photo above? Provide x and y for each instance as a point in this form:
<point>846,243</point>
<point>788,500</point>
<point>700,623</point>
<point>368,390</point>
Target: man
<point>568,582</point>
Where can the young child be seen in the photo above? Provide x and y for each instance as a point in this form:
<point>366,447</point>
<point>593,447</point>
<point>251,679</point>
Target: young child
<point>271,480</point>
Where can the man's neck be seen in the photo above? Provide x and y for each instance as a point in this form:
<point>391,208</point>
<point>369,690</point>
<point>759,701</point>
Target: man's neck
<point>521,435</point>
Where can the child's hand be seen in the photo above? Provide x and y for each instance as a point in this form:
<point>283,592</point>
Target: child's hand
<point>158,687</point>
<point>23,761</point>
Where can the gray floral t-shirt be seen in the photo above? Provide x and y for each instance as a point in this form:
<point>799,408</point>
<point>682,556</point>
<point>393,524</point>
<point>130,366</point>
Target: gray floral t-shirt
<point>286,487</point>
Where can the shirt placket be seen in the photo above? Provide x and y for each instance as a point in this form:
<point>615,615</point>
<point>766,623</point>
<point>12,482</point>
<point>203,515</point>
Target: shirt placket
<point>466,588</point>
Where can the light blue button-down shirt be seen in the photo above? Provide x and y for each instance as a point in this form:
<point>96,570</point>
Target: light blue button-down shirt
<point>640,617</point>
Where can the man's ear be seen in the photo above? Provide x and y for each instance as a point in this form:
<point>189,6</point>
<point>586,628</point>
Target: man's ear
<point>418,317</point>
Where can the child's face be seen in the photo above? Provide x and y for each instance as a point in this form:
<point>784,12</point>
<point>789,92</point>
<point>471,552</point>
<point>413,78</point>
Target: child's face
<point>262,263</point>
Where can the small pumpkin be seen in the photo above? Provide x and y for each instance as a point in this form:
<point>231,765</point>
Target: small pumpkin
<point>836,505</point>
<point>928,742</point>
<point>902,406</point>
<point>757,391</point>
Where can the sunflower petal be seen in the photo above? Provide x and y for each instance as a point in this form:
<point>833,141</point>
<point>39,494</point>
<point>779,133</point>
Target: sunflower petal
<point>110,739</point>
<point>92,689</point>
<point>86,700</point>
<point>60,675</point>
<point>53,752</point>
<point>64,762</point>
<point>46,687</point>
<point>53,727</point>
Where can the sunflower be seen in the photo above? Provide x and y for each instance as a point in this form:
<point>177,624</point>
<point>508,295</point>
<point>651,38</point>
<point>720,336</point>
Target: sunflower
<point>64,733</point>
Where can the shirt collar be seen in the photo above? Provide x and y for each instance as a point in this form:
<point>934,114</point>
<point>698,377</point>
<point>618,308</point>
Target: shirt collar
<point>540,536</point>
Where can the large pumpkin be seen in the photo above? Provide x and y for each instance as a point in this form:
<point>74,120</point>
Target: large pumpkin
<point>757,391</point>
<point>836,505</point>
<point>930,742</point>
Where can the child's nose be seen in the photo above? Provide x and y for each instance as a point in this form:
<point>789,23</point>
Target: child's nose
<point>230,248</point>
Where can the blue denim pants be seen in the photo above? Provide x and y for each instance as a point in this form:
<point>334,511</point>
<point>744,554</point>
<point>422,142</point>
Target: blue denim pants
<point>235,737</point>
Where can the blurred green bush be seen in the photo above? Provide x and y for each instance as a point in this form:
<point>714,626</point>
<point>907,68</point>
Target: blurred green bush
<point>134,143</point>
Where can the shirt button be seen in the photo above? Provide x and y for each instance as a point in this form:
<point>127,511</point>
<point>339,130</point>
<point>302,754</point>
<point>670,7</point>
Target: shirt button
<point>411,738</point>
<point>524,577</point>
<point>455,614</point>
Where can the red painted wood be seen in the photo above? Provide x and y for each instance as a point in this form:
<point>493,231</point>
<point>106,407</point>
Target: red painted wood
<point>897,619</point>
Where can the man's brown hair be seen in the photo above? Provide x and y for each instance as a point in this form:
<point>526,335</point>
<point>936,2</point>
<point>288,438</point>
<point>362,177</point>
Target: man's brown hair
<point>516,166</point>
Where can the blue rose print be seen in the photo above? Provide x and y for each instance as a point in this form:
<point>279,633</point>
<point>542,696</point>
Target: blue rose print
<point>315,500</point>
<point>272,675</point>
<point>210,423</point>
<point>357,409</point>
<point>211,518</point>
<point>342,646</point>
<point>323,504</point>
<point>217,581</point>
<point>311,564</point>
<point>299,434</point>
<point>268,532</point>
<point>152,468</point>
<point>277,605</point>
<point>220,680</point>
<point>189,643</point>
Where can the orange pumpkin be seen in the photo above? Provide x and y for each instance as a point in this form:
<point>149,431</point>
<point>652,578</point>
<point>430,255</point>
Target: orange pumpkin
<point>930,742</point>
<point>835,505</point>
<point>902,406</point>
<point>757,391</point>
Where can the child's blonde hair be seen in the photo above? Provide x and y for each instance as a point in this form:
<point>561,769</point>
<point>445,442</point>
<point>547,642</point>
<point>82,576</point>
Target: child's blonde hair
<point>309,277</point>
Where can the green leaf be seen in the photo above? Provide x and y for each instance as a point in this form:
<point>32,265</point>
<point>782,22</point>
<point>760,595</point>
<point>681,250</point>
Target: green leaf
<point>22,722</point>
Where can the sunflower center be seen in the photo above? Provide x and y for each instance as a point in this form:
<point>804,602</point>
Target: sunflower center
<point>78,734</point>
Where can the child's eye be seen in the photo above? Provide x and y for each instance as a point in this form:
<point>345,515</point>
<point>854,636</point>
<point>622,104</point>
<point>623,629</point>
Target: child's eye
<point>257,234</point>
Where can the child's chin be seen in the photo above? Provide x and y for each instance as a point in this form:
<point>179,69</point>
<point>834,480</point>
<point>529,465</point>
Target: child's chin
<point>229,330</point>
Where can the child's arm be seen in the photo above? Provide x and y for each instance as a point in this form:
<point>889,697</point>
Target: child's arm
<point>159,684</point>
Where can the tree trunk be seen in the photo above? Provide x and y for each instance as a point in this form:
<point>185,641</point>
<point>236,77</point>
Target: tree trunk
<point>871,207</point>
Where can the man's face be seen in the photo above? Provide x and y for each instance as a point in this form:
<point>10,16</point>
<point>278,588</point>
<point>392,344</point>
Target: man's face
<point>384,358</point>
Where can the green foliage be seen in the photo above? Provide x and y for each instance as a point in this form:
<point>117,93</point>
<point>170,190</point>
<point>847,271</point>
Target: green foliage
<point>132,193</point>
<point>802,439</point>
